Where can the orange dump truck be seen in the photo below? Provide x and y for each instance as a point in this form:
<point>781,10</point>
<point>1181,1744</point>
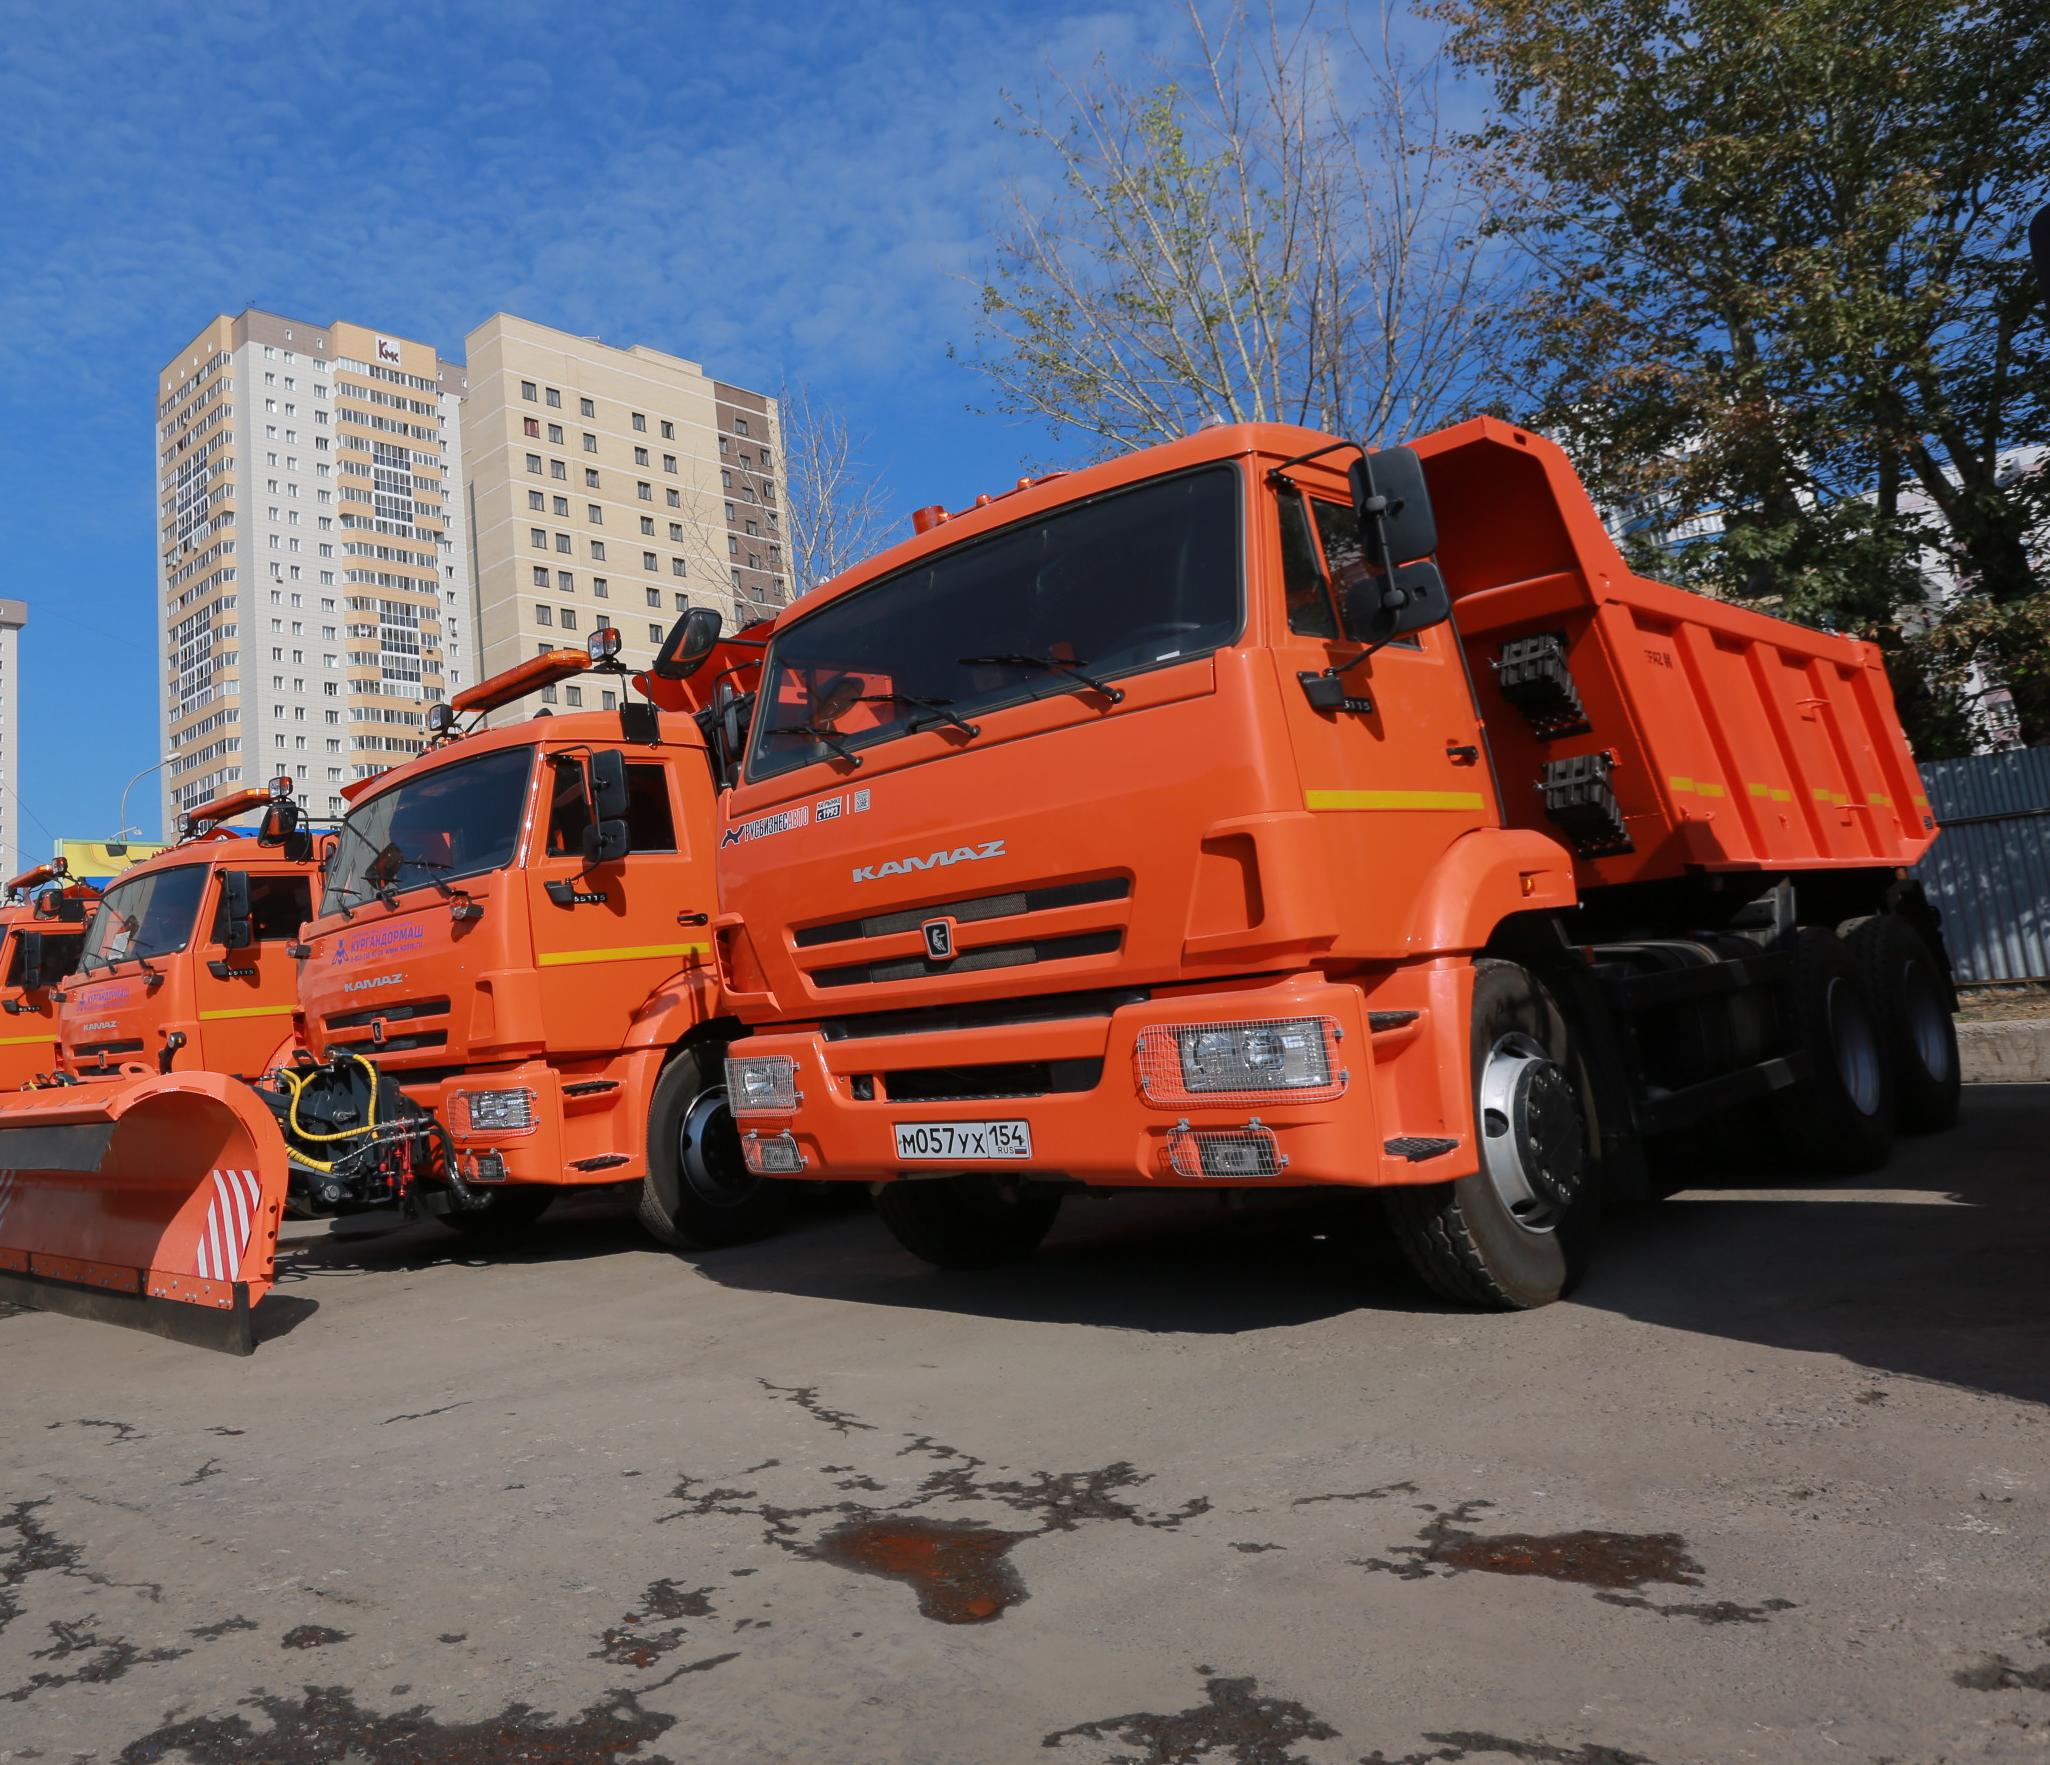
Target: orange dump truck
<point>502,989</point>
<point>1254,811</point>
<point>42,926</point>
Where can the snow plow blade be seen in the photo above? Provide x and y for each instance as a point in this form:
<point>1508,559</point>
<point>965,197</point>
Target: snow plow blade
<point>142,1200</point>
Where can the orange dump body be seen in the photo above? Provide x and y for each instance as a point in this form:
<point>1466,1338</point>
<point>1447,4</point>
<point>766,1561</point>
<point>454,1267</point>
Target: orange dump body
<point>1007,928</point>
<point>534,972</point>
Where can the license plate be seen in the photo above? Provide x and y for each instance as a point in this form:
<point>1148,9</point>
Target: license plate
<point>952,1141</point>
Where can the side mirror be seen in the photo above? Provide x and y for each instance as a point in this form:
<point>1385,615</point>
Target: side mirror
<point>1399,532</point>
<point>238,931</point>
<point>608,785</point>
<point>691,639</point>
<point>32,959</point>
<point>280,821</point>
<point>606,842</point>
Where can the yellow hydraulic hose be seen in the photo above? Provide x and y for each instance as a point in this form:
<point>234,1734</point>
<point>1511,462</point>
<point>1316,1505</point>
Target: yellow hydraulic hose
<point>296,1083</point>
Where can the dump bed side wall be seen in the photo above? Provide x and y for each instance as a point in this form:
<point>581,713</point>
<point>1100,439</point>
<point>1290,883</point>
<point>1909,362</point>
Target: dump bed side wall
<point>1739,741</point>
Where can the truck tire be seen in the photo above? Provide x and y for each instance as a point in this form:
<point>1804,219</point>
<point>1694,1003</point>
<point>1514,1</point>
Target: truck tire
<point>1515,1234</point>
<point>513,1209</point>
<point>698,1194</point>
<point>1911,999</point>
<point>1842,1119</point>
<point>965,1222</point>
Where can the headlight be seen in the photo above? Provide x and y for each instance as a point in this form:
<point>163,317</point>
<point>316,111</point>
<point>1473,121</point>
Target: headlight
<point>756,1084</point>
<point>497,1112</point>
<point>1290,1056</point>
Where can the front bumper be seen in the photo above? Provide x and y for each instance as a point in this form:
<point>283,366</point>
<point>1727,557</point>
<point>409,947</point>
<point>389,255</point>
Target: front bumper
<point>1106,1132</point>
<point>588,1127</point>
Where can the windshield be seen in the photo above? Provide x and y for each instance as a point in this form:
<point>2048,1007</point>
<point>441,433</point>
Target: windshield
<point>150,915</point>
<point>1138,579</point>
<point>455,820</point>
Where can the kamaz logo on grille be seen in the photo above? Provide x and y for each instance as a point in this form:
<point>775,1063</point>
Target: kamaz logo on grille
<point>939,939</point>
<point>931,861</point>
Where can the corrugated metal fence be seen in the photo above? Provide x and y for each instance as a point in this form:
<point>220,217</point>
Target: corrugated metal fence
<point>1990,870</point>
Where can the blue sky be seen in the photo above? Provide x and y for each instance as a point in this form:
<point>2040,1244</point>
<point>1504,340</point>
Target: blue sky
<point>800,193</point>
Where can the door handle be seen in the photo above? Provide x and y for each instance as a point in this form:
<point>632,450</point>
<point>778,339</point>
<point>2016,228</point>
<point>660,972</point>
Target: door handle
<point>688,918</point>
<point>1462,753</point>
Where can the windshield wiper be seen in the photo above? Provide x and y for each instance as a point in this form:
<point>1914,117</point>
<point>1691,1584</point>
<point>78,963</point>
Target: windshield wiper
<point>938,708</point>
<point>825,738</point>
<point>1052,664</point>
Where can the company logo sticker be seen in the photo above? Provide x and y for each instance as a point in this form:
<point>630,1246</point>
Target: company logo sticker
<point>828,808</point>
<point>939,939</point>
<point>387,351</point>
<point>931,861</point>
<point>765,826</point>
<point>380,944</point>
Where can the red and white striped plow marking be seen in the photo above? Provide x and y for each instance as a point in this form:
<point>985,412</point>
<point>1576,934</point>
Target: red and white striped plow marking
<point>6,1194</point>
<point>231,1217</point>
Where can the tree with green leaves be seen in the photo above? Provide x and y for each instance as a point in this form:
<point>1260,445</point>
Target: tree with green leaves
<point>1779,282</point>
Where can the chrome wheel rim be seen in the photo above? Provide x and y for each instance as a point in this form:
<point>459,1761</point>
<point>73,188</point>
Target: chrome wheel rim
<point>1854,1044</point>
<point>708,1151</point>
<point>1533,1145</point>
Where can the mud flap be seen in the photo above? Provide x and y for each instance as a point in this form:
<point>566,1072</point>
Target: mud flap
<point>145,1200</point>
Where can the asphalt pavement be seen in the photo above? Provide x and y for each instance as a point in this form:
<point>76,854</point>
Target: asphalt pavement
<point>1193,1487</point>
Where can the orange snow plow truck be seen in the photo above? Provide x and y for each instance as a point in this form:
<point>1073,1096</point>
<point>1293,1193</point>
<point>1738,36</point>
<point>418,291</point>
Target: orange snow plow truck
<point>42,926</point>
<point>502,989</point>
<point>1254,811</point>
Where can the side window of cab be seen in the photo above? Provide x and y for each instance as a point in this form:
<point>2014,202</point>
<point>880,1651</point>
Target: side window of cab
<point>1324,571</point>
<point>650,819</point>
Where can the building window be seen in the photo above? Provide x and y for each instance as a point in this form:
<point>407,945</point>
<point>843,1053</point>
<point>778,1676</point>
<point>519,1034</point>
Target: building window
<point>668,430</point>
<point>533,427</point>
<point>645,491</point>
<point>597,551</point>
<point>534,464</point>
<point>590,444</point>
<point>735,574</point>
<point>586,408</point>
<point>654,597</point>
<point>539,536</point>
<point>574,695</point>
<point>751,529</point>
<point>528,390</point>
<point>565,582</point>
<point>648,525</point>
<point>674,498</point>
<point>595,513</point>
<point>668,462</point>
<point>648,563</point>
<point>732,546</point>
<point>640,456</point>
<point>590,477</point>
<point>540,575</point>
<point>601,588</point>
<point>535,500</point>
<point>555,397</point>
<point>676,566</point>
<point>544,614</point>
<point>562,542</point>
<point>555,434</point>
<point>556,469</point>
<point>725,478</point>
<point>676,532</point>
<point>569,618</point>
<point>562,507</point>
<point>641,421</point>
<point>740,425</point>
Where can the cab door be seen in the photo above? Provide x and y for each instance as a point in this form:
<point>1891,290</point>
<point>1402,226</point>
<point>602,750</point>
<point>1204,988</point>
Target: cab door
<point>606,935</point>
<point>1400,771</point>
<point>244,997</point>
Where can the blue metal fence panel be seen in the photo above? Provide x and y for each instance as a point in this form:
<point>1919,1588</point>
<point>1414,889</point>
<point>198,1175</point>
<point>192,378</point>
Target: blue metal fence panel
<point>1989,873</point>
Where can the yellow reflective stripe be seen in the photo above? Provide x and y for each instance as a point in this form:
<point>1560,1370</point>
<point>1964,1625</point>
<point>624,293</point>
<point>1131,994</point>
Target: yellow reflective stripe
<point>1875,798</point>
<point>621,953</point>
<point>1705,787</point>
<point>1759,790</point>
<point>1392,800</point>
<point>49,1035</point>
<point>246,1011</point>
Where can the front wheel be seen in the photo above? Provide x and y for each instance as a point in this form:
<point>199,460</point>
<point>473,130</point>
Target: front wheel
<point>698,1193</point>
<point>1514,1234</point>
<point>966,1222</point>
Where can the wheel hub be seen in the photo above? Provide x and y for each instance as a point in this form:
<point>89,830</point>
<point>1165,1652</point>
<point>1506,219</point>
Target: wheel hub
<point>1533,1139</point>
<point>708,1150</point>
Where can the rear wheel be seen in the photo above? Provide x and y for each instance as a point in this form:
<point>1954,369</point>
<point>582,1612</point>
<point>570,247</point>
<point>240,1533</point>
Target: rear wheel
<point>1911,1001</point>
<point>698,1193</point>
<point>1515,1233</point>
<point>510,1212</point>
<point>1842,1119</point>
<point>966,1222</point>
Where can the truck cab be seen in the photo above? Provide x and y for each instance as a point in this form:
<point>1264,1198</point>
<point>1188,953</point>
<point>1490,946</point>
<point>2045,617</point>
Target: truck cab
<point>42,929</point>
<point>186,964</point>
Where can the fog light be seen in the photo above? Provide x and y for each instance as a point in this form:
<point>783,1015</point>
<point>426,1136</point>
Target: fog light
<point>760,1084</point>
<point>603,644</point>
<point>1287,1057</point>
<point>490,1168</point>
<point>1250,1151</point>
<point>494,1112</point>
<point>772,1155</point>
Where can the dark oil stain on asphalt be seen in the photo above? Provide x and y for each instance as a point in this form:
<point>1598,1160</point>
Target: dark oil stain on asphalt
<point>957,1570</point>
<point>1255,1549</point>
<point>122,1431</point>
<point>212,1468</point>
<point>227,1433</point>
<point>422,1415</point>
<point>1234,1722</point>
<point>1380,1492</point>
<point>806,1397</point>
<point>311,1636</point>
<point>627,1644</point>
<point>36,1549</point>
<point>328,1724</point>
<point>1463,1744</point>
<point>226,1627</point>
<point>111,1658</point>
<point>1998,1673</point>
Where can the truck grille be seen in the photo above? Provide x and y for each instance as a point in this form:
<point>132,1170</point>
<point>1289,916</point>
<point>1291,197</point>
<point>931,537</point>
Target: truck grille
<point>1043,900</point>
<point>352,1032</point>
<point>1011,1078</point>
<point>910,968</point>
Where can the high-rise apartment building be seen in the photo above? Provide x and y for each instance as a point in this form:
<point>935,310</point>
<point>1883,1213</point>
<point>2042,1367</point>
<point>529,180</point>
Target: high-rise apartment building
<point>610,486</point>
<point>13,616</point>
<point>314,574</point>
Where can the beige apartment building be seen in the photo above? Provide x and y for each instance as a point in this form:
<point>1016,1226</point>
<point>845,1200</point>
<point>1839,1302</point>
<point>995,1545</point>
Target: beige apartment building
<point>610,486</point>
<point>314,577</point>
<point>13,616</point>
